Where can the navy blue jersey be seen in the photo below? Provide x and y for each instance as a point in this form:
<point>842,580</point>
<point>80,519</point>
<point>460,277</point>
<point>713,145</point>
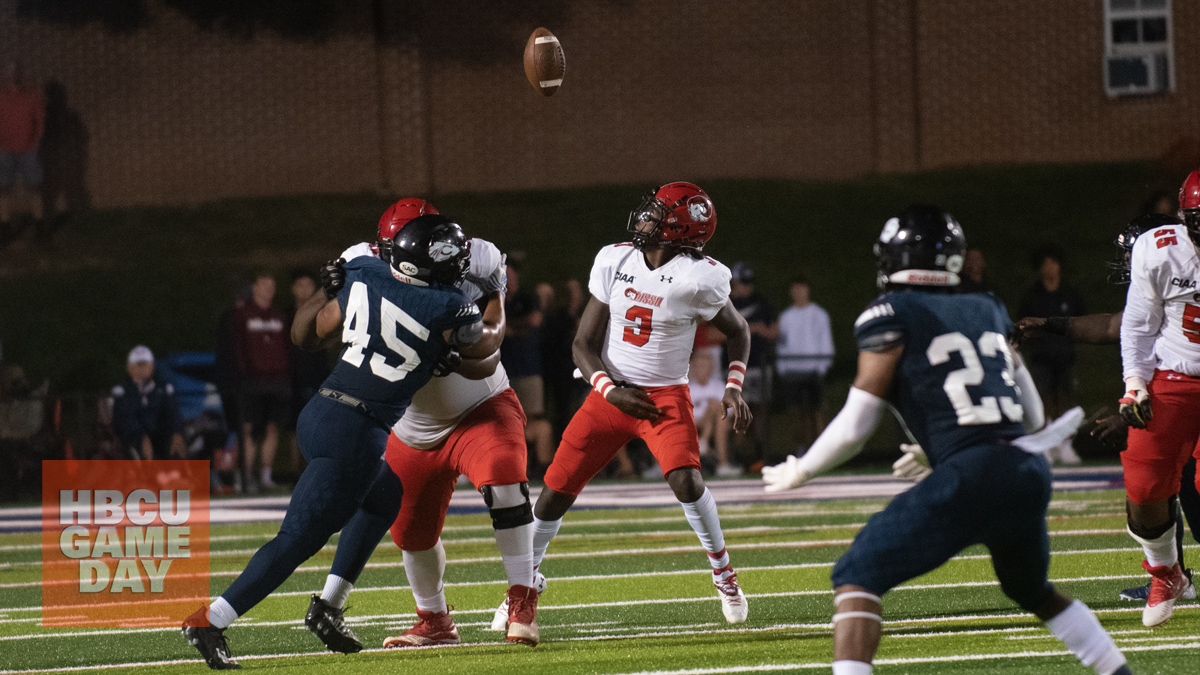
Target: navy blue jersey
<point>954,384</point>
<point>393,333</point>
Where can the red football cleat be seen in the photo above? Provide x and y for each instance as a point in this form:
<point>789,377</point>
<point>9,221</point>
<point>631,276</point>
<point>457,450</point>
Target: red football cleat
<point>522,615</point>
<point>1167,584</point>
<point>432,628</point>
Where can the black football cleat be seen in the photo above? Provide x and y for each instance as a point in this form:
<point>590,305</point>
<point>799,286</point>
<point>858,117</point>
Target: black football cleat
<point>209,641</point>
<point>325,621</point>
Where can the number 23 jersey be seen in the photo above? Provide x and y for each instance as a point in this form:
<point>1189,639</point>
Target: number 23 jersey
<point>653,313</point>
<point>393,334</point>
<point>954,384</point>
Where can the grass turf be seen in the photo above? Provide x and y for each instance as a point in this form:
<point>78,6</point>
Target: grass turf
<point>629,592</point>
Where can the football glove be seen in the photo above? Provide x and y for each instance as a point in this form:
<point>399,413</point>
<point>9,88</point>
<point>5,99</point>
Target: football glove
<point>913,465</point>
<point>448,362</point>
<point>333,277</point>
<point>1135,405</point>
<point>785,476</point>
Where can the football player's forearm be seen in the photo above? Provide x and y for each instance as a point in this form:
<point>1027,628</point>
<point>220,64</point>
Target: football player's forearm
<point>1095,329</point>
<point>1031,400</point>
<point>736,331</point>
<point>494,325</point>
<point>589,338</point>
<point>304,326</point>
<point>846,434</point>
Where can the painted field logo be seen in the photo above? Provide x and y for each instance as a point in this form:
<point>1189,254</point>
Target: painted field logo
<point>124,543</point>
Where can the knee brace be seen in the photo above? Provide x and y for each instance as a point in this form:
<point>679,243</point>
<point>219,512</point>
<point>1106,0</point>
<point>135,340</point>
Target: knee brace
<point>508,505</point>
<point>1151,533</point>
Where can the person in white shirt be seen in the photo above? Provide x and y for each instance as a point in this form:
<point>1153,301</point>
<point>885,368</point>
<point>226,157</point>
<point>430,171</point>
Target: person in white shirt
<point>706,392</point>
<point>804,354</point>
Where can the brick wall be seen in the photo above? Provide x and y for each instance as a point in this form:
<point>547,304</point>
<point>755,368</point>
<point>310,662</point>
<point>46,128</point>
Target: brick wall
<point>821,89</point>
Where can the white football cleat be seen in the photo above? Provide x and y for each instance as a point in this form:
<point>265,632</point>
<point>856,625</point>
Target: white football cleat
<point>500,618</point>
<point>1167,584</point>
<point>733,601</point>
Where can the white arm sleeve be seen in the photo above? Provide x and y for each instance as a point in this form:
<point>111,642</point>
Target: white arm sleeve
<point>357,251</point>
<point>1031,401</point>
<point>1142,319</point>
<point>845,435</point>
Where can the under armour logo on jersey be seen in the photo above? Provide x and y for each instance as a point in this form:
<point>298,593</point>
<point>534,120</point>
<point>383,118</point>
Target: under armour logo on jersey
<point>664,278</point>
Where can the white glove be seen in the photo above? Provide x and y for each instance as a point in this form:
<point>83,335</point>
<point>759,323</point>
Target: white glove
<point>785,476</point>
<point>914,465</point>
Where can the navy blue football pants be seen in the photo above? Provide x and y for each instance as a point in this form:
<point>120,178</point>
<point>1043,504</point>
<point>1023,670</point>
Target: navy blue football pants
<point>346,476</point>
<point>995,495</point>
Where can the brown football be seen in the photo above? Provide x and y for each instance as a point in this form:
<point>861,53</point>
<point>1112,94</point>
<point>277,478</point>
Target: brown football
<point>545,62</point>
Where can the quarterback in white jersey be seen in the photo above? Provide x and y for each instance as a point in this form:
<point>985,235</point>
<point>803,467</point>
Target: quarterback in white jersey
<point>470,423</point>
<point>1160,354</point>
<point>633,344</point>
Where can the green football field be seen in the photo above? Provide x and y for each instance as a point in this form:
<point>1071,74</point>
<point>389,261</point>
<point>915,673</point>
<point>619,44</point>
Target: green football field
<point>630,592</point>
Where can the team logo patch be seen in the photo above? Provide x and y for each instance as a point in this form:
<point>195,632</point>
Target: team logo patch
<point>644,298</point>
<point>409,269</point>
<point>890,228</point>
<point>443,250</point>
<point>954,264</point>
<point>699,209</point>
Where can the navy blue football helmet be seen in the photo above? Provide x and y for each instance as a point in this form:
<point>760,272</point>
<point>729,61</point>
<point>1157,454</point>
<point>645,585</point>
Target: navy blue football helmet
<point>431,248</point>
<point>923,246</point>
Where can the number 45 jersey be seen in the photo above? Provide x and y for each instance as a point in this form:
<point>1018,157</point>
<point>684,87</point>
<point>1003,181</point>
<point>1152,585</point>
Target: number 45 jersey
<point>653,313</point>
<point>393,327</point>
<point>954,384</point>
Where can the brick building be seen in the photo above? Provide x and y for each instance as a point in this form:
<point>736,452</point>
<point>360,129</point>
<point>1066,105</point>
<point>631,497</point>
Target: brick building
<point>809,89</point>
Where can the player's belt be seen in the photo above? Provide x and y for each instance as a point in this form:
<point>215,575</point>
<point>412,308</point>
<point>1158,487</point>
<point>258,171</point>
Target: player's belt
<point>357,404</point>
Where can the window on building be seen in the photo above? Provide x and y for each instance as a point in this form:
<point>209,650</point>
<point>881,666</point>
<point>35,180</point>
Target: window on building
<point>1139,49</point>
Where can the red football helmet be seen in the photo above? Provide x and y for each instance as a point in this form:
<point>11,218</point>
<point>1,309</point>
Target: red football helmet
<point>1189,205</point>
<point>396,217</point>
<point>677,214</point>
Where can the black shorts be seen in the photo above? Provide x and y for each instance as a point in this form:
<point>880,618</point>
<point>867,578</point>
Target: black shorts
<point>802,389</point>
<point>264,403</point>
<point>995,495</point>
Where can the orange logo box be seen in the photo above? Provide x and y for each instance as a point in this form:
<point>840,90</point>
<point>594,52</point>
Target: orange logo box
<point>124,543</point>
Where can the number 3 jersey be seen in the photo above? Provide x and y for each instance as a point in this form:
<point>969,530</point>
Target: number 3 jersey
<point>954,384</point>
<point>653,313</point>
<point>393,328</point>
<point>1161,325</point>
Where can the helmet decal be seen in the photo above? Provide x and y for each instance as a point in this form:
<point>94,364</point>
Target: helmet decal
<point>409,268</point>
<point>954,264</point>
<point>890,228</point>
<point>698,209</point>
<point>443,250</point>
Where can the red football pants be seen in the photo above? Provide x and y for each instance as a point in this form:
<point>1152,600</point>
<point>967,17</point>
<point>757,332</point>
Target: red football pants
<point>1154,461</point>
<point>487,446</point>
<point>598,431</point>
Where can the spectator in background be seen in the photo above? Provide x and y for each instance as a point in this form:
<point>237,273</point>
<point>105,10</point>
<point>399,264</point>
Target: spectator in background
<point>706,393</point>
<point>804,354</point>
<point>557,332</point>
<point>22,121</point>
<point>521,354</point>
<point>756,389</point>
<point>227,377</point>
<point>1162,202</point>
<point>22,421</point>
<point>1051,358</point>
<point>972,273</point>
<point>145,414</point>
<point>309,369</point>
<point>263,350</point>
<point>64,155</point>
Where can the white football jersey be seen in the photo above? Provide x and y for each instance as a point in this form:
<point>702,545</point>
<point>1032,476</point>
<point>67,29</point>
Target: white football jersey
<point>440,405</point>
<point>653,313</point>
<point>1161,325</point>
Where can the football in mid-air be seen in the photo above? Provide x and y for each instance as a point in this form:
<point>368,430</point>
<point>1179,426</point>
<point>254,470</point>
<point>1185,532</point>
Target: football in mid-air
<point>545,62</point>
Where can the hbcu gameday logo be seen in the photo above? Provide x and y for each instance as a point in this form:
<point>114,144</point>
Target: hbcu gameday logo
<point>124,543</point>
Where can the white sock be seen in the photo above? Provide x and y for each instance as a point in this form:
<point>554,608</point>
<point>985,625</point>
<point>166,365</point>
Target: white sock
<point>851,668</point>
<point>1160,552</point>
<point>702,516</point>
<point>336,591</point>
<point>1082,633</point>
<point>221,614</point>
<point>516,550</point>
<point>425,570</point>
<point>543,532</point>
<point>266,475</point>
